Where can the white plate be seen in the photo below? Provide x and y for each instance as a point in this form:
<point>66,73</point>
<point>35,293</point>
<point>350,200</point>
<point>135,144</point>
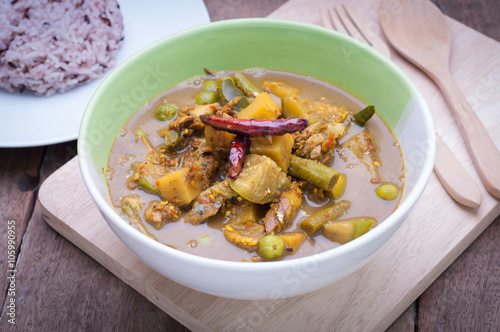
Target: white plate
<point>28,120</point>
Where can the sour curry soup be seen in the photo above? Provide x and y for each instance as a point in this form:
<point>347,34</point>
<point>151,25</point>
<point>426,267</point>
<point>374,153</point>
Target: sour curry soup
<point>218,217</point>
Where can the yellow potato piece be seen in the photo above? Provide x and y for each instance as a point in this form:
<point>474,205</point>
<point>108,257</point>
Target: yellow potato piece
<point>218,139</point>
<point>279,89</point>
<point>278,148</point>
<point>178,188</point>
<point>262,107</point>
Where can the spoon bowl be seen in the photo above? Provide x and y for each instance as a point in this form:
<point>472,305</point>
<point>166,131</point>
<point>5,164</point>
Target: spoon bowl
<point>416,38</point>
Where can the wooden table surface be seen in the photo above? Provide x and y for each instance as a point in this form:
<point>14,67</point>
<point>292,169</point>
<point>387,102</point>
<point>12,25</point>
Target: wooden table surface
<point>60,288</point>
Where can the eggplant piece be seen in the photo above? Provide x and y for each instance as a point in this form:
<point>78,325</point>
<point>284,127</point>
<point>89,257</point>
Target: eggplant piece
<point>228,91</point>
<point>343,231</point>
<point>283,209</point>
<point>261,180</point>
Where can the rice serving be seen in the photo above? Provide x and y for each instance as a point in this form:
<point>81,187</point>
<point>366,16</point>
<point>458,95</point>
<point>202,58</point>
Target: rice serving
<point>49,46</point>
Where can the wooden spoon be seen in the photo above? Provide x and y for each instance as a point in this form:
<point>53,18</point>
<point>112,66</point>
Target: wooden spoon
<point>454,178</point>
<point>419,31</point>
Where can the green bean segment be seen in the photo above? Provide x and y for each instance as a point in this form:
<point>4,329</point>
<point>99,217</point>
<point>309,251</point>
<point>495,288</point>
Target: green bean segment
<point>320,175</point>
<point>315,222</point>
<point>245,85</point>
<point>364,115</point>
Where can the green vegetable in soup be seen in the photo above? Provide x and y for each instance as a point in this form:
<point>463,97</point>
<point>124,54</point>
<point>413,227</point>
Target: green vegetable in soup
<point>210,85</point>
<point>339,188</point>
<point>205,98</point>
<point>245,85</point>
<point>148,187</point>
<point>260,181</point>
<point>228,91</point>
<point>166,112</point>
<point>364,115</point>
<point>387,191</point>
<point>172,138</point>
<point>314,223</point>
<point>343,231</point>
<point>320,175</point>
<point>271,247</point>
<point>141,135</point>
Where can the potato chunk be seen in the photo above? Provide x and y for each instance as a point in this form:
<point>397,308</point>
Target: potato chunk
<point>278,148</point>
<point>293,240</point>
<point>279,89</point>
<point>313,111</point>
<point>178,187</point>
<point>218,139</point>
<point>262,107</point>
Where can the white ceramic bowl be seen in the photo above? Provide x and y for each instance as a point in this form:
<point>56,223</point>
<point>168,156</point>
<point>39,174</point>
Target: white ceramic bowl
<point>274,44</point>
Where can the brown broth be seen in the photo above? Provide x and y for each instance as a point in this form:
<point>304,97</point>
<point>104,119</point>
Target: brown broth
<point>209,237</point>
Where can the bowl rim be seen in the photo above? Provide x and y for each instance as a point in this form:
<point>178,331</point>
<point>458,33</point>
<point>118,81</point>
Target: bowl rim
<point>403,208</point>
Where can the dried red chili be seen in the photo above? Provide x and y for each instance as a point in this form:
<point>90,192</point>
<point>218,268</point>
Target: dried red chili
<point>254,127</point>
<point>237,150</point>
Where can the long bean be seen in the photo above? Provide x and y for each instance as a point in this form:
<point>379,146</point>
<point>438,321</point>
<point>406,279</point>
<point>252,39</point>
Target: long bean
<point>245,85</point>
<point>315,222</point>
<point>320,175</point>
<point>364,115</point>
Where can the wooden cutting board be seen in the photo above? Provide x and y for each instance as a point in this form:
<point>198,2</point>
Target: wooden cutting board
<point>434,235</point>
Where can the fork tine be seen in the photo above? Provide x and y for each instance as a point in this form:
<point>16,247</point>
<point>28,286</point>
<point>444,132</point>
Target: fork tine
<point>349,27</point>
<point>372,39</point>
<point>337,24</point>
<point>324,19</point>
<point>350,24</point>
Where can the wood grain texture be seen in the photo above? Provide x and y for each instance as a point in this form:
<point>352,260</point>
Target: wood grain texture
<point>478,292</point>
<point>75,291</point>
<point>19,180</point>
<point>466,296</point>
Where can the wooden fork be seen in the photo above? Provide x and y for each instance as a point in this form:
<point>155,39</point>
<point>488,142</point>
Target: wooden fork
<point>350,24</point>
<point>454,178</point>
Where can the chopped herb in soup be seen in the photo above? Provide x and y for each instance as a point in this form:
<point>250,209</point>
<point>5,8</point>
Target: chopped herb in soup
<point>255,165</point>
